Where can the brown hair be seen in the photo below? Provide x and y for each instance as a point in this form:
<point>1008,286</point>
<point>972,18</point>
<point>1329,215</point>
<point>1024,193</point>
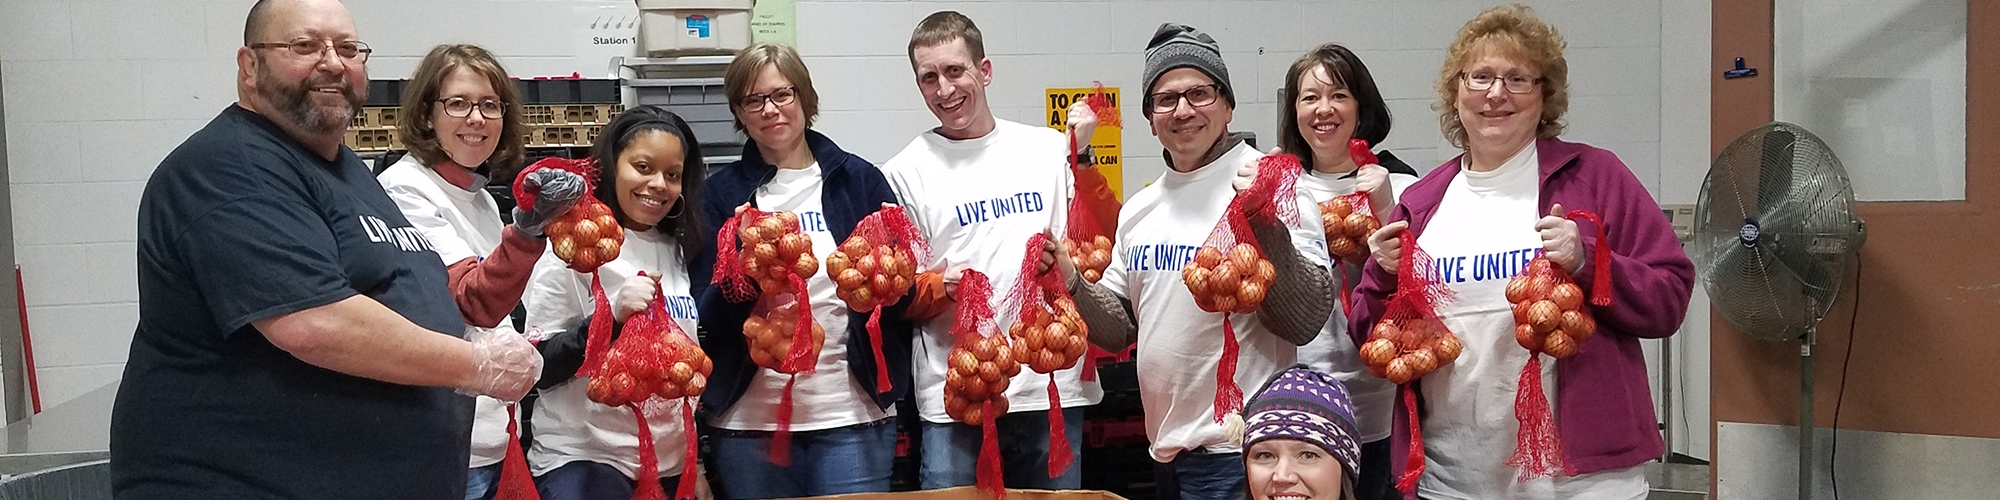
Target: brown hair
<point>420,135</point>
<point>943,27</point>
<point>742,72</point>
<point>1508,29</point>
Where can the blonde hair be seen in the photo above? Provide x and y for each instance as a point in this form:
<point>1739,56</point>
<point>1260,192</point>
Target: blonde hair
<point>420,135</point>
<point>742,72</point>
<point>1512,30</point>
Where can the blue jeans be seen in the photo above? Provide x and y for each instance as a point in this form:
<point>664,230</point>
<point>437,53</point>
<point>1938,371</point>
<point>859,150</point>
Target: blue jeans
<point>852,459</point>
<point>480,482</point>
<point>587,480</point>
<point>951,452</point>
<point>1201,476</point>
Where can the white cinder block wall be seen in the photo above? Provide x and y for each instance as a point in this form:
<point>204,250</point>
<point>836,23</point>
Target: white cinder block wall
<point>97,92</point>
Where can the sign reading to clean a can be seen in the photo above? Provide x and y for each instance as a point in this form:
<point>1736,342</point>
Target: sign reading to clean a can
<point>1104,142</point>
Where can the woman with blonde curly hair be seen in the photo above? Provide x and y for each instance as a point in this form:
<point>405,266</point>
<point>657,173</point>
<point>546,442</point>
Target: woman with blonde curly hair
<point>1482,217</point>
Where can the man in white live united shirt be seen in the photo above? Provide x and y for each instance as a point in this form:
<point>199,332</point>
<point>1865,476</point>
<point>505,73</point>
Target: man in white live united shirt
<point>1142,297</point>
<point>979,187</point>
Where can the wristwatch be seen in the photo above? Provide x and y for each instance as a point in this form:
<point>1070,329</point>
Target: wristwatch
<point>1087,156</point>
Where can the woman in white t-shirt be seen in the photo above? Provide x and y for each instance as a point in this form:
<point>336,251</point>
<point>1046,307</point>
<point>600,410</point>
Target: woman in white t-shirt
<point>1482,218</point>
<point>842,435</point>
<point>1329,98</point>
<point>651,168</point>
<point>465,127</point>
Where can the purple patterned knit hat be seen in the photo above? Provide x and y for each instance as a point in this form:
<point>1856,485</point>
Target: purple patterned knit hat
<point>1303,404</point>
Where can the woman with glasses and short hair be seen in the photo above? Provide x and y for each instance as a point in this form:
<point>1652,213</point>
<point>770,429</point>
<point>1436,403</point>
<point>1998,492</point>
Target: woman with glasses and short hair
<point>843,435</point>
<point>463,127</point>
<point>1501,97</point>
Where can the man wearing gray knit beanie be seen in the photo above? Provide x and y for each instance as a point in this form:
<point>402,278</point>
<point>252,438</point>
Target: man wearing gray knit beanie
<point>1142,297</point>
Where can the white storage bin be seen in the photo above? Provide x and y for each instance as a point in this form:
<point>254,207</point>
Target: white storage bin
<point>685,27</point>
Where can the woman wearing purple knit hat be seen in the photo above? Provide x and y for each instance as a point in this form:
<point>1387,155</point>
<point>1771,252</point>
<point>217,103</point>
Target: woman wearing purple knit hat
<point>1298,438</point>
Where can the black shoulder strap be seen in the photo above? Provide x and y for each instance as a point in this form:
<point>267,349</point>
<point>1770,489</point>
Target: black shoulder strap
<point>390,158</point>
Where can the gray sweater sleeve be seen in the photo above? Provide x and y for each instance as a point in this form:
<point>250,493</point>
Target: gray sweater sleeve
<point>1112,326</point>
<point>1301,297</point>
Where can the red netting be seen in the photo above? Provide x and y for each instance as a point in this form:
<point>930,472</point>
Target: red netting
<point>981,366</point>
<point>1088,241</point>
<point>1549,318</point>
<point>778,256</point>
<point>1410,342</point>
<point>1230,273</point>
<point>515,482</point>
<point>586,168</point>
<point>587,235</point>
<point>653,366</point>
<point>874,268</point>
<point>1048,335</point>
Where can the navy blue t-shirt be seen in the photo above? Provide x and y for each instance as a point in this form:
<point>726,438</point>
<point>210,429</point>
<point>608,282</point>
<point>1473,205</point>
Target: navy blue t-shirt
<point>243,223</point>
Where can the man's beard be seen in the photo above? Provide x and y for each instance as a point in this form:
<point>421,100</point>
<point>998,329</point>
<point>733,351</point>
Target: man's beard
<point>294,102</point>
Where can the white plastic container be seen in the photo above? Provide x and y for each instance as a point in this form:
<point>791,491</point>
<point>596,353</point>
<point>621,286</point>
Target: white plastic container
<point>691,27</point>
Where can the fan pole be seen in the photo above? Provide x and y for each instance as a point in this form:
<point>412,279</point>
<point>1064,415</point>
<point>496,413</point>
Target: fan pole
<point>1807,432</point>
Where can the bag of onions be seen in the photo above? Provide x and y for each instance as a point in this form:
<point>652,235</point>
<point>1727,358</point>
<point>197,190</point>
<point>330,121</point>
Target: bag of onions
<point>1349,219</point>
<point>1549,318</point>
<point>1089,242</point>
<point>587,235</point>
<point>1048,335</point>
<point>652,367</point>
<point>1410,342</point>
<point>981,366</point>
<point>1230,274</point>
<point>782,334</point>
<point>874,268</point>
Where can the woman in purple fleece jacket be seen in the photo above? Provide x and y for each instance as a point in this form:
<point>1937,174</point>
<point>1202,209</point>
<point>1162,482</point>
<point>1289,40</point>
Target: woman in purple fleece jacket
<point>1482,217</point>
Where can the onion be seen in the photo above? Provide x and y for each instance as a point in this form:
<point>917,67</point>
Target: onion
<point>1528,338</point>
<point>1400,372</point>
<point>1208,257</point>
<point>1517,289</point>
<point>1448,348</point>
<point>1357,225</point>
<point>1567,296</point>
<point>1422,362</point>
<point>1378,352</point>
<point>1544,315</point>
<point>1244,257</point>
<point>1560,346</point>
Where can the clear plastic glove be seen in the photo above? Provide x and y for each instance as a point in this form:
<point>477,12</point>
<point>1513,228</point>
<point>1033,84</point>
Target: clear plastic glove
<point>1386,246</point>
<point>633,295</point>
<point>1055,254</point>
<point>1560,240</point>
<point>555,191</point>
<point>1374,180</point>
<point>505,365</point>
<point>1082,124</point>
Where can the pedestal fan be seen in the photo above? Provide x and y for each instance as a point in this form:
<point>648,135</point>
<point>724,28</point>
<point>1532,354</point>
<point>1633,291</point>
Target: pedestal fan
<point>1774,233</point>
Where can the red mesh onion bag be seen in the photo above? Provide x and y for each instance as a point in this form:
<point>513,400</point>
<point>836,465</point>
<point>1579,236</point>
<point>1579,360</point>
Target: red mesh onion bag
<point>1550,318</point>
<point>1410,341</point>
<point>585,237</point>
<point>1348,220</point>
<point>770,250</point>
<point>1089,242</point>
<point>874,268</point>
<point>1230,273</point>
<point>981,364</point>
<point>1048,335</point>
<point>653,367</point>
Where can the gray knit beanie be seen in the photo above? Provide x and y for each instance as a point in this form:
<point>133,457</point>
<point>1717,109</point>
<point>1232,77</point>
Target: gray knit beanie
<point>1182,46</point>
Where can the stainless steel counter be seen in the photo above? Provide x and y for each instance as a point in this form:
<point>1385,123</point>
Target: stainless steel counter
<point>73,432</point>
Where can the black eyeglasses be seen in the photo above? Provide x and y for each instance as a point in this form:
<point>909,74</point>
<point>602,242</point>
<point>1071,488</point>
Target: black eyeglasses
<point>461,107</point>
<point>783,96</point>
<point>1197,96</point>
<point>1515,84</point>
<point>352,50</point>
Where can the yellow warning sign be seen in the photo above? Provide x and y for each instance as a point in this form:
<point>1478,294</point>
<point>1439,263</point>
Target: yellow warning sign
<point>1103,143</point>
